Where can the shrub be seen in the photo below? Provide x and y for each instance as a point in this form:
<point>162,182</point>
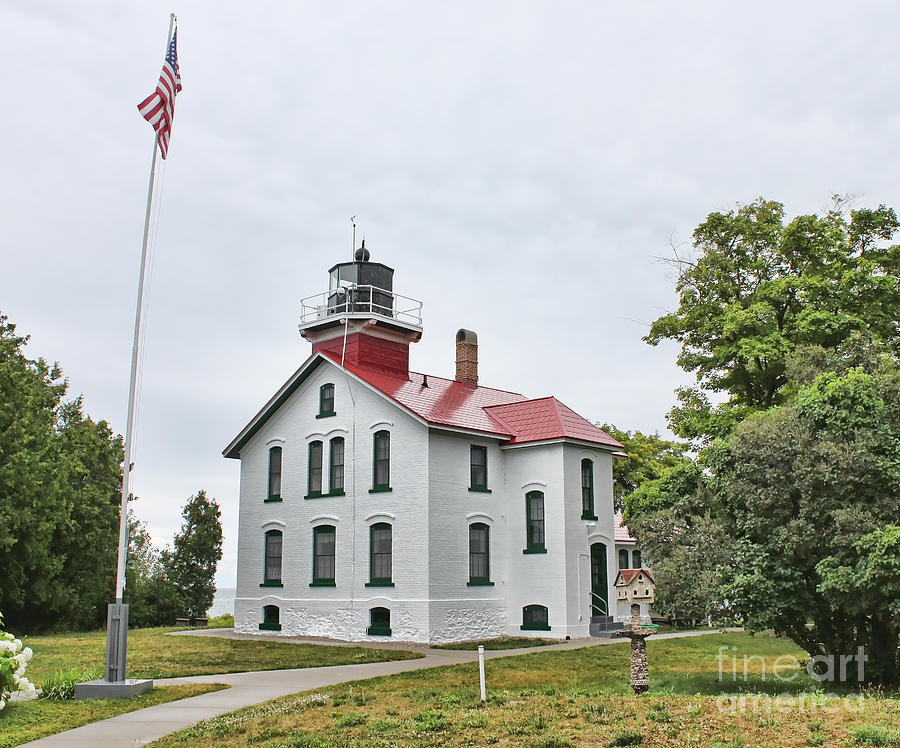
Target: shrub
<point>13,661</point>
<point>61,685</point>
<point>874,735</point>
<point>627,737</point>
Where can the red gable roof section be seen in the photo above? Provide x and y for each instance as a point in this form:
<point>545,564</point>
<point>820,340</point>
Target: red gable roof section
<point>547,418</point>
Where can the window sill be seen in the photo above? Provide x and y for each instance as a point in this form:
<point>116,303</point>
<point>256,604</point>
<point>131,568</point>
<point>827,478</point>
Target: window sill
<point>533,627</point>
<point>380,489</point>
<point>320,495</point>
<point>271,584</point>
<point>380,583</point>
<point>271,500</point>
<point>337,492</point>
<point>326,414</point>
<point>375,631</point>
<point>592,517</point>
<point>479,583</point>
<point>480,489</point>
<point>270,627</point>
<point>323,583</point>
<point>535,549</point>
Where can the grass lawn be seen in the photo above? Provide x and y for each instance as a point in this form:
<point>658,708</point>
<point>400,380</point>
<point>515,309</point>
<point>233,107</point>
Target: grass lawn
<point>23,721</point>
<point>570,699</point>
<point>501,642</point>
<point>153,654</point>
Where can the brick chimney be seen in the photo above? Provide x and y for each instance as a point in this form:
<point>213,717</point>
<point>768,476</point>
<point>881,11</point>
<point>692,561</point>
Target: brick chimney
<point>467,357</point>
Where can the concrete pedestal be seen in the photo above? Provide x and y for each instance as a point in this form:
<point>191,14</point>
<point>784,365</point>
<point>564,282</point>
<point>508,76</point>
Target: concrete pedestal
<point>104,689</point>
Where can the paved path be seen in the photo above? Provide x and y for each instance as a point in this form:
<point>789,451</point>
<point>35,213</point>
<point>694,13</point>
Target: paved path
<point>146,725</point>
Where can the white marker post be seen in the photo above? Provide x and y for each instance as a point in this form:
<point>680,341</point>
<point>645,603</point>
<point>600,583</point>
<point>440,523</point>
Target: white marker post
<point>481,672</point>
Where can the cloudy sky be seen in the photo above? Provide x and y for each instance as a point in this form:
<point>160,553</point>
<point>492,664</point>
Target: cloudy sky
<point>522,165</point>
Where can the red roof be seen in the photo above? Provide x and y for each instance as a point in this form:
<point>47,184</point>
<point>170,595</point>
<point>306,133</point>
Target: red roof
<point>546,418</point>
<point>623,534</point>
<point>509,416</point>
<point>447,402</point>
<point>626,575</point>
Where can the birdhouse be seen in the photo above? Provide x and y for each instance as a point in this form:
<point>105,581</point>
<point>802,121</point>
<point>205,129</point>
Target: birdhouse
<point>635,586</point>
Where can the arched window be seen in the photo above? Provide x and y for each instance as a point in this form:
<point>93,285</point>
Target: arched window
<point>479,554</point>
<point>271,620</point>
<point>274,474</point>
<point>636,560</point>
<point>272,560</point>
<point>323,556</point>
<point>336,471</point>
<point>587,490</point>
<point>623,559</point>
<point>314,483</point>
<point>380,551</point>
<point>326,401</point>
<point>535,618</point>
<point>379,622</point>
<point>534,522</point>
<point>381,480</point>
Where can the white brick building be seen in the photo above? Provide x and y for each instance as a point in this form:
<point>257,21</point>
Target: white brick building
<point>376,501</point>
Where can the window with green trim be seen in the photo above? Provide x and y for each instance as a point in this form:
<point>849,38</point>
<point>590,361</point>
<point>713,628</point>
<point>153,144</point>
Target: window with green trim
<point>623,559</point>
<point>271,618</point>
<point>381,480</point>
<point>380,562</point>
<point>314,487</point>
<point>336,468</point>
<point>323,556</point>
<point>272,560</point>
<point>326,400</point>
<point>587,490</point>
<point>379,622</point>
<point>534,522</point>
<point>535,618</point>
<point>477,468</point>
<point>479,554</point>
<point>274,474</point>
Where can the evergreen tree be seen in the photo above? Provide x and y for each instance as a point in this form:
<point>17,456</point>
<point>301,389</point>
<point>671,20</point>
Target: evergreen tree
<point>196,552</point>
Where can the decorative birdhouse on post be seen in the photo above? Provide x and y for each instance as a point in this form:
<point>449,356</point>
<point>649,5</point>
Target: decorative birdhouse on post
<point>635,591</point>
<point>634,587</point>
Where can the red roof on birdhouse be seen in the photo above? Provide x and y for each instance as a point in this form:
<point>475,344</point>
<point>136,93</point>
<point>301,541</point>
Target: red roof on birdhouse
<point>625,576</point>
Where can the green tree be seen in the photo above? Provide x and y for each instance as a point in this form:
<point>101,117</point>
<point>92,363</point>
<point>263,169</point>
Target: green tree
<point>807,494</point>
<point>196,553</point>
<point>649,457</point>
<point>758,288</point>
<point>60,483</point>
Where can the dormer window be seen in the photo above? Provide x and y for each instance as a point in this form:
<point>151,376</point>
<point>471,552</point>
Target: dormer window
<point>326,401</point>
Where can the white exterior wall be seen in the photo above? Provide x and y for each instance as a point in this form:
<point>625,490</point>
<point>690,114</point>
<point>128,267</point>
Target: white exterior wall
<point>341,611</point>
<point>430,508</point>
<point>460,612</point>
<point>536,578</point>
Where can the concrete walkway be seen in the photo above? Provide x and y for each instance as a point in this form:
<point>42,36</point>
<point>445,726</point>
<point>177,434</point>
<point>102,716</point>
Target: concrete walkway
<point>146,725</point>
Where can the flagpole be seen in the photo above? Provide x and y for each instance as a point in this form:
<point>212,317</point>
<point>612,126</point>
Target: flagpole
<point>117,624</point>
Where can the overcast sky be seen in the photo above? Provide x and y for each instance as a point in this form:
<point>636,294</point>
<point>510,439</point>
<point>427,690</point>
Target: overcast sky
<point>521,165</point>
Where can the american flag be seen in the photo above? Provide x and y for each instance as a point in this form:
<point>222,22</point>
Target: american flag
<point>159,107</point>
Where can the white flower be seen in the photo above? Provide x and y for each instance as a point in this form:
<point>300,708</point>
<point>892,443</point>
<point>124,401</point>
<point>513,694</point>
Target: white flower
<point>28,652</point>
<point>18,644</point>
<point>2,703</point>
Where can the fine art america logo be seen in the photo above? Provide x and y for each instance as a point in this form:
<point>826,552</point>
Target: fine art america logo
<point>786,669</point>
